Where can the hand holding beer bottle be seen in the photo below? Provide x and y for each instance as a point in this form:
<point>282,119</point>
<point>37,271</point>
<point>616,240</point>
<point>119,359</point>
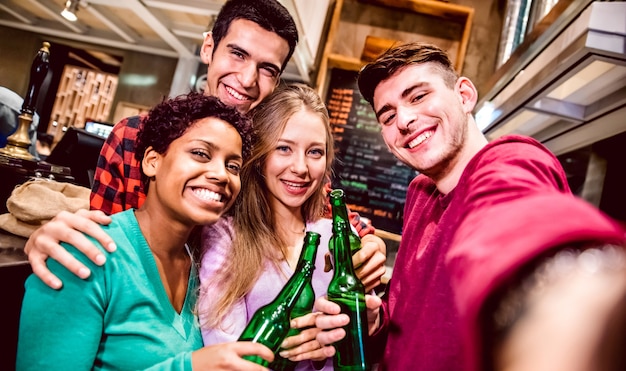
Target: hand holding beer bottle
<point>270,324</point>
<point>346,290</point>
<point>369,264</point>
<point>304,306</point>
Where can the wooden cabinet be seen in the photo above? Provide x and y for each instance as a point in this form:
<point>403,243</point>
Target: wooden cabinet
<point>360,29</point>
<point>83,94</point>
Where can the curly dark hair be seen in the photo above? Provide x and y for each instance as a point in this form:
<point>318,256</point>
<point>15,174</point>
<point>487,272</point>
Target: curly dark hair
<point>270,15</point>
<point>171,118</point>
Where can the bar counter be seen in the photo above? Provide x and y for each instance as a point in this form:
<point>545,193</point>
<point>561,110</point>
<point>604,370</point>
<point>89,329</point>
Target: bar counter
<point>12,249</point>
<point>14,269</point>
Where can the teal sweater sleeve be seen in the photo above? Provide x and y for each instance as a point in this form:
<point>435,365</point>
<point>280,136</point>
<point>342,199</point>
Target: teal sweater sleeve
<point>119,317</point>
<point>61,329</point>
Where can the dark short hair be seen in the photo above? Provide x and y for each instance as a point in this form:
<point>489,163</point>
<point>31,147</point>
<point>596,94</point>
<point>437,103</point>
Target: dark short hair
<point>171,118</point>
<point>398,57</point>
<point>268,14</point>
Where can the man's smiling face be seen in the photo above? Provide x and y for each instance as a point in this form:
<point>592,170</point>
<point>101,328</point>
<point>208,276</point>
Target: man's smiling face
<point>245,67</point>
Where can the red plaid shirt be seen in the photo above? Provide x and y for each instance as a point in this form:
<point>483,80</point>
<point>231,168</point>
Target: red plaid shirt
<point>117,183</point>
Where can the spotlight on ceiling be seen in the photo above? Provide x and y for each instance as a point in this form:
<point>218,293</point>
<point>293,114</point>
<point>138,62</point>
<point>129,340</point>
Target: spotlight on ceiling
<point>71,7</point>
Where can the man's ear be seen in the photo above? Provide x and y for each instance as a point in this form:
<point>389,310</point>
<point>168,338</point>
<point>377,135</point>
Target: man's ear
<point>467,93</point>
<point>206,51</point>
<point>150,162</point>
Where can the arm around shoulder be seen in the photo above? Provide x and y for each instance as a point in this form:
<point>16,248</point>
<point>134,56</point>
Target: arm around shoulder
<point>69,228</point>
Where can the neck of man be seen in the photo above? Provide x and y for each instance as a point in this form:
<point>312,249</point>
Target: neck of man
<point>474,142</point>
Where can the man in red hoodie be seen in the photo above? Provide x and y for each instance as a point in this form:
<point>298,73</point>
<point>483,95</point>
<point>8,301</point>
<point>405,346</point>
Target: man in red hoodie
<point>478,218</point>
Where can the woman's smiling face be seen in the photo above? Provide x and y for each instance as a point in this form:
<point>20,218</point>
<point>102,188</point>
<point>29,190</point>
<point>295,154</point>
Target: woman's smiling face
<point>296,167</point>
<point>197,178</point>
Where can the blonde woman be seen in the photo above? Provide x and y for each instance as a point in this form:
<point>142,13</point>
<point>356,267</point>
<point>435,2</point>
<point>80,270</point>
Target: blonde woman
<point>252,255</point>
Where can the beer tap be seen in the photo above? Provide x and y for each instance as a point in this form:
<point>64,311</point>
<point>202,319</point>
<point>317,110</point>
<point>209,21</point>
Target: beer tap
<point>19,142</point>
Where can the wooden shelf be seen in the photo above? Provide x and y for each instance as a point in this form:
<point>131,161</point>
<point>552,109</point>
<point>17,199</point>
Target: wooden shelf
<point>453,12</point>
<point>435,8</point>
<point>458,14</point>
<point>345,63</point>
<point>388,235</point>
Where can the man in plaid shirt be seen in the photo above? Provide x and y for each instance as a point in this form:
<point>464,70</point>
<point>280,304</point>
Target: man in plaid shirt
<point>246,52</point>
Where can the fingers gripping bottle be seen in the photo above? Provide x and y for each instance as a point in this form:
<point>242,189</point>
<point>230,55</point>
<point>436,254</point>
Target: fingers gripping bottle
<point>304,306</point>
<point>348,292</point>
<point>270,324</point>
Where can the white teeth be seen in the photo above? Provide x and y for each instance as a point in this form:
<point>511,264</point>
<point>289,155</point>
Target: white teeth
<point>417,141</point>
<point>235,94</point>
<point>205,194</point>
<point>293,184</point>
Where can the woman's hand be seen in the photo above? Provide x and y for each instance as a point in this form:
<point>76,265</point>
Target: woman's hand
<point>304,345</point>
<point>228,356</point>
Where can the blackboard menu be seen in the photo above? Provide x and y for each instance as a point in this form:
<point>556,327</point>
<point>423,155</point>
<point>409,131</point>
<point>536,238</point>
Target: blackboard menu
<point>375,182</point>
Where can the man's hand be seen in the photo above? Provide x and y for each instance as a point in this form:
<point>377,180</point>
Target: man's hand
<point>331,321</point>
<point>67,227</point>
<point>227,356</point>
<point>370,261</point>
<point>566,315</point>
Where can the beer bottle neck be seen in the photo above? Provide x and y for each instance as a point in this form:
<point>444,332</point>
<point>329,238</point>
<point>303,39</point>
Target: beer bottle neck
<point>338,205</point>
<point>304,270</point>
<point>341,249</point>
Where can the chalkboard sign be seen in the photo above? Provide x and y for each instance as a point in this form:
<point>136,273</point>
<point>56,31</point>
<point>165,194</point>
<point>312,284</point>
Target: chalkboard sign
<point>375,182</point>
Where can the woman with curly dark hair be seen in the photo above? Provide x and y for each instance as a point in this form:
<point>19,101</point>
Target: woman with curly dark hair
<point>191,149</point>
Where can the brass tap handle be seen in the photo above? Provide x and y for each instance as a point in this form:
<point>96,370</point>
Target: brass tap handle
<point>38,72</point>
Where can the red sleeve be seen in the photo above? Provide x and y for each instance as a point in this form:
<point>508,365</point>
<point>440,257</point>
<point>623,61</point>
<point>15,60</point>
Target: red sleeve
<point>117,182</point>
<point>516,208</point>
<point>509,169</point>
<point>523,230</point>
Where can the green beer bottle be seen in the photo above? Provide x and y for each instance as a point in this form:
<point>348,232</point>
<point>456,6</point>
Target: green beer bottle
<point>304,306</point>
<point>340,212</point>
<point>270,324</point>
<point>347,290</point>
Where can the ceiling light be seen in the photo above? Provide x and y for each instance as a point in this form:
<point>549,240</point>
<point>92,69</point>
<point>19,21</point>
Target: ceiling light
<point>71,7</point>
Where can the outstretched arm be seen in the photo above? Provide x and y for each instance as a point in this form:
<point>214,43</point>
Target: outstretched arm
<point>68,227</point>
<point>568,313</point>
